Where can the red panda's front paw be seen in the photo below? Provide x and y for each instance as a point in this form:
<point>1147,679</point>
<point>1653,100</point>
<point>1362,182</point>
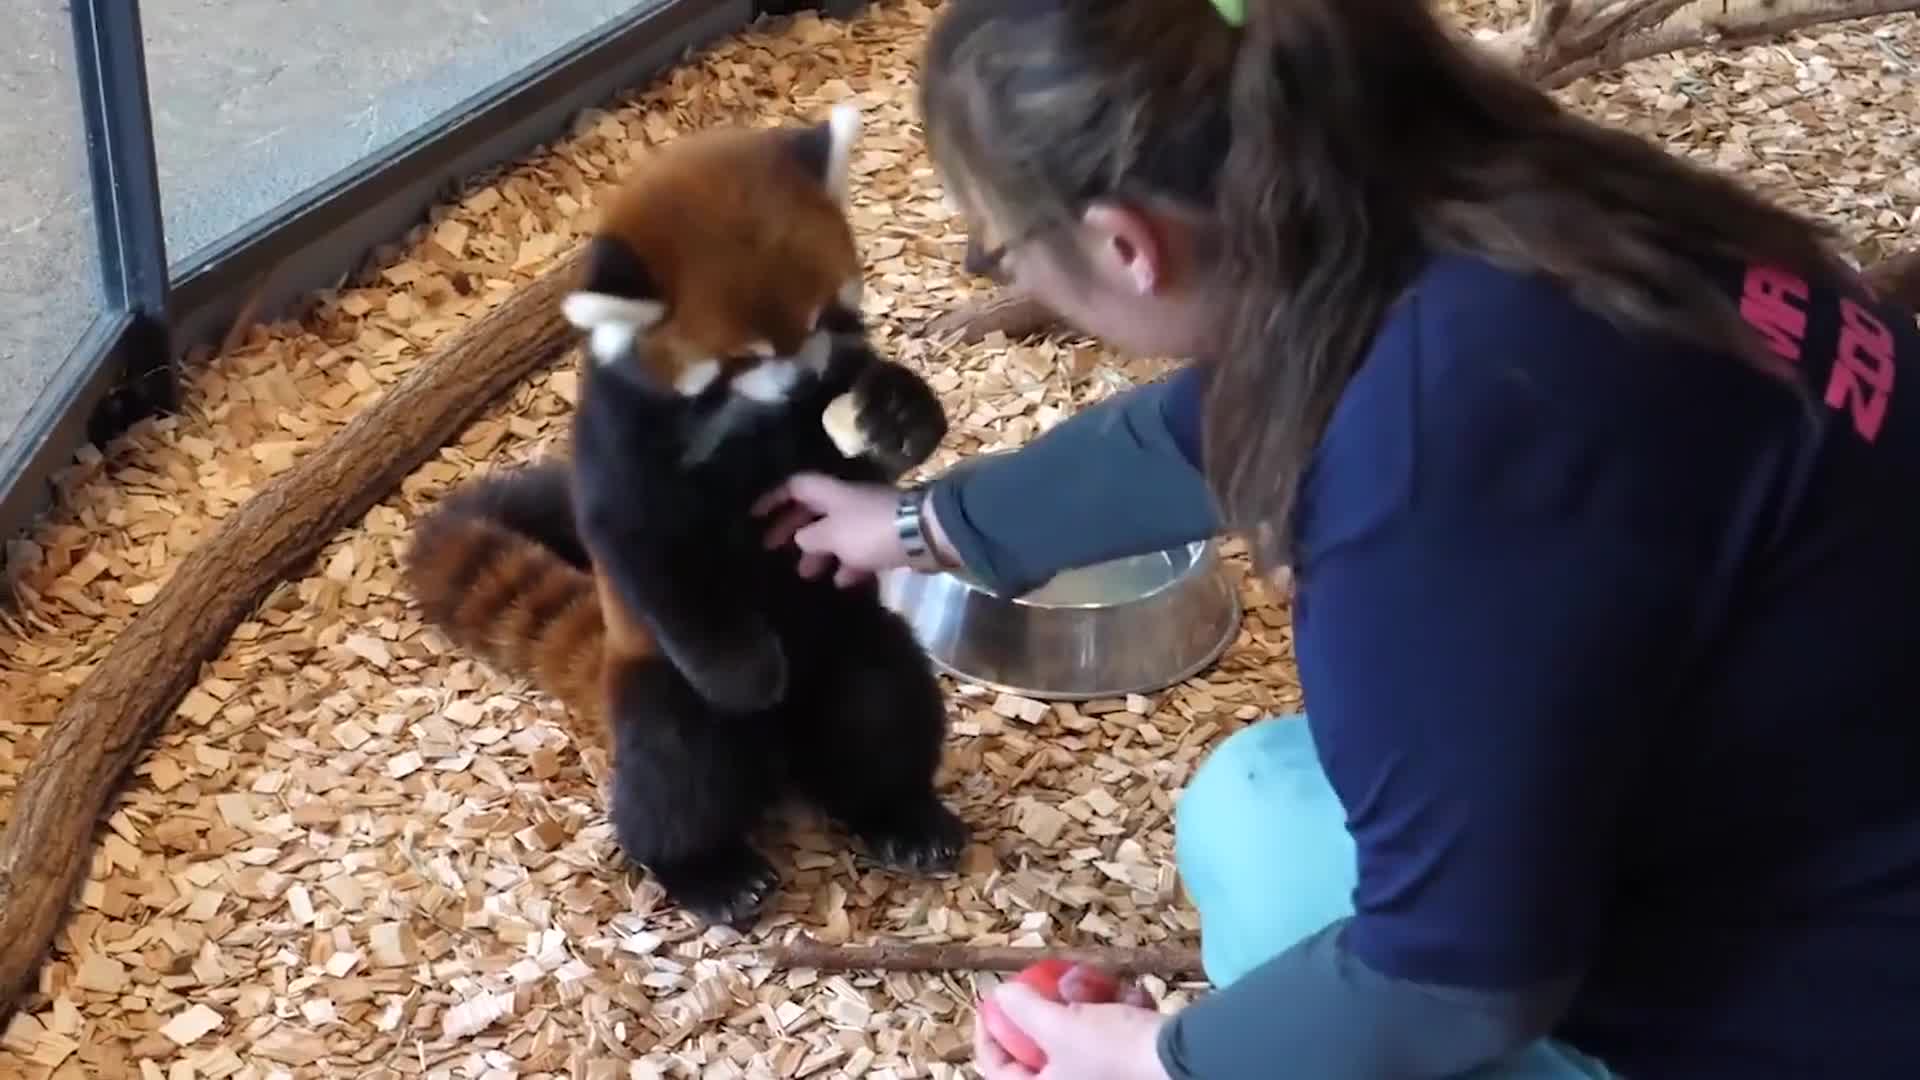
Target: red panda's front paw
<point>900,415</point>
<point>922,837</point>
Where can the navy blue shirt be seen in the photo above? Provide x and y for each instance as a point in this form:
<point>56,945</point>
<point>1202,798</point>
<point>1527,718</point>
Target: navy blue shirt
<point>1609,648</point>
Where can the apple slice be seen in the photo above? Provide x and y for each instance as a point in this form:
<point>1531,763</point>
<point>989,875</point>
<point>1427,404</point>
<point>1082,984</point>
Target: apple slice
<point>842,421</point>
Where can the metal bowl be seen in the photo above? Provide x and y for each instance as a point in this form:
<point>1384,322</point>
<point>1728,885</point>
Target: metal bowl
<point>1133,625</point>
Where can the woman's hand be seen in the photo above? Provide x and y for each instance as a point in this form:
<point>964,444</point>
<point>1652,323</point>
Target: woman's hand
<point>832,521</point>
<point>1084,1039</point>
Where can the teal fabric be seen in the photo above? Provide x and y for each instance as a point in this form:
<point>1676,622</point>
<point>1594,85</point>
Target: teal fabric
<point>1263,851</point>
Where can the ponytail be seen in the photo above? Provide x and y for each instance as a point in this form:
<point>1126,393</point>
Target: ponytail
<point>1318,242</point>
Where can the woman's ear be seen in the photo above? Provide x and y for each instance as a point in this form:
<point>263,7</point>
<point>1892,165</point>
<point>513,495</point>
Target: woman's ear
<point>1129,248</point>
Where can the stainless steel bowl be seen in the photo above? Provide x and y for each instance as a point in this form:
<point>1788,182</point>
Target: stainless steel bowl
<point>1133,625</point>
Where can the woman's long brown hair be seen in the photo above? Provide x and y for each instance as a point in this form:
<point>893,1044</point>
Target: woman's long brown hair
<point>1338,144</point>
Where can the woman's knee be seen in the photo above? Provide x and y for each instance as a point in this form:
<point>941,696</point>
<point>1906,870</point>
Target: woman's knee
<point>1261,843</point>
<point>1267,773</point>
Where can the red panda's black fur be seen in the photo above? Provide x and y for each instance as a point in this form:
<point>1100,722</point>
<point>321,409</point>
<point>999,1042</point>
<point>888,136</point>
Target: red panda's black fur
<point>720,300</point>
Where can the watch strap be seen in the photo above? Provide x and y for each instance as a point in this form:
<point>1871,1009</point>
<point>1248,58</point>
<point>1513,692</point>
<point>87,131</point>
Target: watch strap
<point>909,520</point>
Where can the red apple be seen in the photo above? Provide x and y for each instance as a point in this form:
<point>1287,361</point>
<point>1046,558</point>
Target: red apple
<point>1044,979</point>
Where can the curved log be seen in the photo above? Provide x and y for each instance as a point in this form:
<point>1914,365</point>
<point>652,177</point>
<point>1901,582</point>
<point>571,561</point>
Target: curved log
<point>101,728</point>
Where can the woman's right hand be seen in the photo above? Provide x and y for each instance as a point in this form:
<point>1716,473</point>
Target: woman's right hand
<point>1100,1028</point>
<point>835,522</point>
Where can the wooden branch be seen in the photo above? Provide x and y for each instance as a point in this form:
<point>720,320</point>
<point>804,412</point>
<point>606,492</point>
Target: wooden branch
<point>1561,42</point>
<point>47,845</point>
<point>1167,962</point>
<point>1008,312</point>
<point>1543,27</point>
<point>1567,40</point>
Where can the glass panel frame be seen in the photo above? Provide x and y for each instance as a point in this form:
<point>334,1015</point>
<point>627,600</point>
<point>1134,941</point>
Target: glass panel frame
<point>127,338</point>
<point>125,367</point>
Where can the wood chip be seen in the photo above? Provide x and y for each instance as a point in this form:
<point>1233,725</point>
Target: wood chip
<point>191,1025</point>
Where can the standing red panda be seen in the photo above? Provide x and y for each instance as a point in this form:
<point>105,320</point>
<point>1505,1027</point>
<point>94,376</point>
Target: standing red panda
<point>720,303</point>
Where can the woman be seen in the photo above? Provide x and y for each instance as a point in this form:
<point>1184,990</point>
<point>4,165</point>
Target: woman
<point>1598,476</point>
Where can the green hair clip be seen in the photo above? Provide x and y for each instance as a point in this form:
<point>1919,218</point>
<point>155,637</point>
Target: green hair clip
<point>1234,11</point>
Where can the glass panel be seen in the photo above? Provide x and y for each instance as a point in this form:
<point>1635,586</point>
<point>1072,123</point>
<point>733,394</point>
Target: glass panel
<point>253,103</point>
<point>49,261</point>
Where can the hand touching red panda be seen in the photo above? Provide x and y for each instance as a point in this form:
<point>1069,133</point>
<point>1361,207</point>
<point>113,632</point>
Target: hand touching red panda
<point>721,306</point>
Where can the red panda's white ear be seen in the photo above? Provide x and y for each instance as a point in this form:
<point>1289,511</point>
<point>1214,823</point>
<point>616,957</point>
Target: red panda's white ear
<point>852,291</point>
<point>843,127</point>
<point>611,321</point>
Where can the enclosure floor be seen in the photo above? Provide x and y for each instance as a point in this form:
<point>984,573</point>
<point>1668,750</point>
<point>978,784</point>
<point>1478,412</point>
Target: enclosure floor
<point>355,852</point>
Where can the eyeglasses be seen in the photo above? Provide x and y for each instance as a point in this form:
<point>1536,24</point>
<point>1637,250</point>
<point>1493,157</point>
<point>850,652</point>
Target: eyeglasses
<point>988,263</point>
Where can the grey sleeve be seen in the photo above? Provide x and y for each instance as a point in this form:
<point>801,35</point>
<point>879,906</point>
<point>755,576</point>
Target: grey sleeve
<point>1108,482</point>
<point>1318,1011</point>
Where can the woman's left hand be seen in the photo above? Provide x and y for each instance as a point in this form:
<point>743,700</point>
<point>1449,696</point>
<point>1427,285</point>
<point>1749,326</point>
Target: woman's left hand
<point>1082,1040</point>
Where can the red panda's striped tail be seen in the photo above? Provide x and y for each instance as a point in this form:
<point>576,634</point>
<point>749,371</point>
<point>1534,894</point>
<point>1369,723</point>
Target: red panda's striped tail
<point>498,568</point>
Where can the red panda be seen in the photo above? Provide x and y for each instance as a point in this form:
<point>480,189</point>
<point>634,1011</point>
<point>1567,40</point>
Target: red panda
<point>720,307</point>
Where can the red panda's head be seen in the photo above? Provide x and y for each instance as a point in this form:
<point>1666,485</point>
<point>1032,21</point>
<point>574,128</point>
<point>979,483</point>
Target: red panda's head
<point>719,255</point>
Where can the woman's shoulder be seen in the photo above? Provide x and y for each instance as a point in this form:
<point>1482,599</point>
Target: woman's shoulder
<point>1466,316</point>
<point>1482,347</point>
<point>1471,358</point>
<point>1458,284</point>
<point>1491,391</point>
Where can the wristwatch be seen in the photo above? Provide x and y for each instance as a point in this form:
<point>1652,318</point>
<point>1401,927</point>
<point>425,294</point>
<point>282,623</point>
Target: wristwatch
<point>909,521</point>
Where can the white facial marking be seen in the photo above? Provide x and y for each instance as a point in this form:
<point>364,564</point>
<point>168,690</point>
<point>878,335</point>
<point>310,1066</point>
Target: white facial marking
<point>610,341</point>
<point>844,125</point>
<point>612,322</point>
<point>852,291</point>
<point>586,310</point>
<point>768,383</point>
<point>761,348</point>
<point>697,377</point>
<point>815,351</point>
